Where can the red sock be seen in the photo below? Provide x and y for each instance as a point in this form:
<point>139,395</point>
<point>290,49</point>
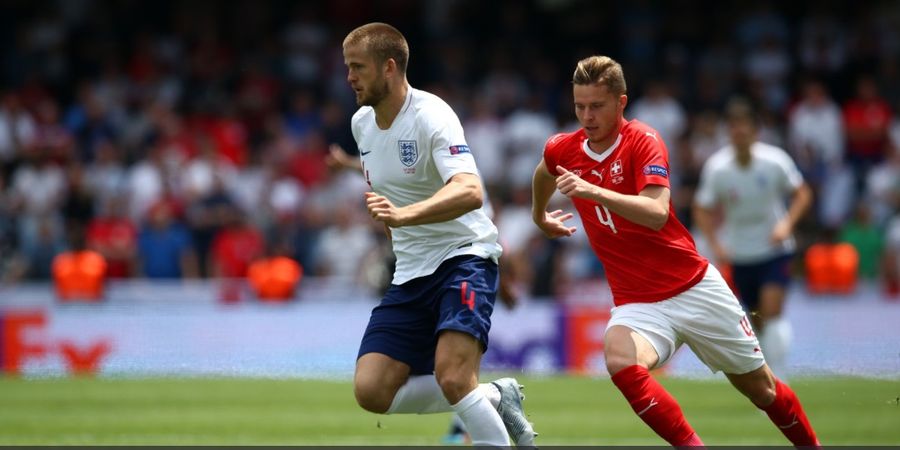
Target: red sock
<point>655,406</point>
<point>787,414</point>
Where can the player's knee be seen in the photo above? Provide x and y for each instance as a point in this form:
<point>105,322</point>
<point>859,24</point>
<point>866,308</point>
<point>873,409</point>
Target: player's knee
<point>615,363</point>
<point>758,386</point>
<point>762,395</point>
<point>455,385</point>
<point>371,397</point>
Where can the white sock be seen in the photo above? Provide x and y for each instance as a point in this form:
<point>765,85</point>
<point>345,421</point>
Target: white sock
<point>482,421</point>
<point>491,392</point>
<point>775,340</point>
<point>420,395</point>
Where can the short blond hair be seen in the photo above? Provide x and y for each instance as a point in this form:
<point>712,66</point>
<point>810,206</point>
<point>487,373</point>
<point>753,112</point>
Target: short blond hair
<point>383,42</point>
<point>600,70</point>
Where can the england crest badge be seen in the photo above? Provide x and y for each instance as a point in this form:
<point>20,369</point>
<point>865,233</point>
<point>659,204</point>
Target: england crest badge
<point>409,152</point>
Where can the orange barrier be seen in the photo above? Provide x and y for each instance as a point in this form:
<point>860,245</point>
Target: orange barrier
<point>274,279</point>
<point>831,268</point>
<point>79,275</point>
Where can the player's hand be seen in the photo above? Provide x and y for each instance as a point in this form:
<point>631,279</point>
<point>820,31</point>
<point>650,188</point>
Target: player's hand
<point>780,232</point>
<point>572,185</point>
<point>507,292</point>
<point>382,210</point>
<point>338,159</point>
<point>553,224</point>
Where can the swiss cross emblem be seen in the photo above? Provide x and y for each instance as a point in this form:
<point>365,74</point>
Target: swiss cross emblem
<point>616,168</point>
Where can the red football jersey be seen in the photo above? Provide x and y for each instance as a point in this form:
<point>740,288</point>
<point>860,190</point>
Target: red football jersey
<point>642,265</point>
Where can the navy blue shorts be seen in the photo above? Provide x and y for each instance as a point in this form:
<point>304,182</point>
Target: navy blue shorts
<point>750,278</point>
<point>459,296</point>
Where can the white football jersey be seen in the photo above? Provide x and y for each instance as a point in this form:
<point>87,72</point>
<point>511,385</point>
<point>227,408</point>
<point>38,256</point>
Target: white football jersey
<point>409,162</point>
<point>753,199</point>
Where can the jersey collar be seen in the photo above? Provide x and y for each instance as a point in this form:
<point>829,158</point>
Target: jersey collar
<point>599,157</point>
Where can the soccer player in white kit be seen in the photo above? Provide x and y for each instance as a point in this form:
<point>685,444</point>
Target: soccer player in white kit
<point>422,348</point>
<point>750,181</point>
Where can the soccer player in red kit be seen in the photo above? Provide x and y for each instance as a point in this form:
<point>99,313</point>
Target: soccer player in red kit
<point>616,173</point>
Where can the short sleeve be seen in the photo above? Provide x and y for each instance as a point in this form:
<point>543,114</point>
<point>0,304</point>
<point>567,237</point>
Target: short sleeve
<point>354,124</point>
<point>449,149</point>
<point>650,162</point>
<point>792,179</point>
<point>551,159</point>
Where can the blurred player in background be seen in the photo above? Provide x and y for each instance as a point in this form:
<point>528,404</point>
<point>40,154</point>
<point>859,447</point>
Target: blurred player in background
<point>749,181</point>
<point>616,173</point>
<point>422,349</point>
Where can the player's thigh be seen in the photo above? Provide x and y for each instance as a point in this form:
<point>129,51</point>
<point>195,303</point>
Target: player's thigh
<point>712,322</point>
<point>624,347</point>
<point>377,370</point>
<point>403,326</point>
<point>775,282</point>
<point>377,379</point>
<point>639,333</point>
<point>771,300</point>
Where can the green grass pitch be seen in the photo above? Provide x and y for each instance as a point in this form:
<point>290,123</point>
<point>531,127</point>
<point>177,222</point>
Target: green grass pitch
<point>565,410</point>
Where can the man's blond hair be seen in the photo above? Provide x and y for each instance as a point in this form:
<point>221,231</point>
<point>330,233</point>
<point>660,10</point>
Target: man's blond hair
<point>383,42</point>
<point>600,70</point>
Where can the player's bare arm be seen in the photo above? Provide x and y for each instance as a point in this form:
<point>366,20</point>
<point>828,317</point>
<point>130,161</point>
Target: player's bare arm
<point>705,218</point>
<point>552,224</point>
<point>461,194</point>
<point>800,203</point>
<point>650,208</point>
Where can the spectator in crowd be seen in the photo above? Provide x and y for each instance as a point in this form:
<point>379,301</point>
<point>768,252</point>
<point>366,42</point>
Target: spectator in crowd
<point>235,246</point>
<point>816,140</point>
<point>89,123</point>
<point>883,188</point>
<point>867,117</point>
<point>659,109</point>
<point>867,238</point>
<point>106,176</point>
<point>343,246</point>
<point>17,129</point>
<point>51,137</point>
<point>892,258</point>
<point>113,235</point>
<point>140,123</point>
<point>36,195</point>
<point>34,261</point>
<point>78,202</point>
<point>165,248</point>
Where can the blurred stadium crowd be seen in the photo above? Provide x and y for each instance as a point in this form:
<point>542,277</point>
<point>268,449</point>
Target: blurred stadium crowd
<point>187,138</point>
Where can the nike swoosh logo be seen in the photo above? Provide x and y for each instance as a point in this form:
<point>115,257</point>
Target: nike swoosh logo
<point>362,153</point>
<point>653,403</point>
